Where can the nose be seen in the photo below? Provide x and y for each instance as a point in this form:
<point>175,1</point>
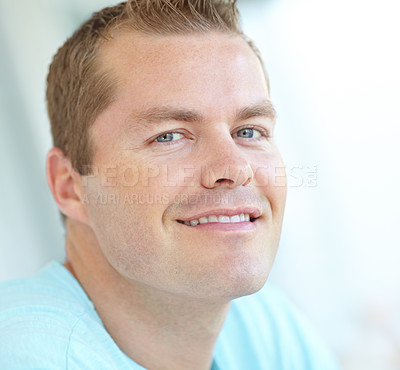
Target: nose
<point>225,165</point>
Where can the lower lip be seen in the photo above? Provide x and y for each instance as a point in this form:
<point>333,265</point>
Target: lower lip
<point>220,226</point>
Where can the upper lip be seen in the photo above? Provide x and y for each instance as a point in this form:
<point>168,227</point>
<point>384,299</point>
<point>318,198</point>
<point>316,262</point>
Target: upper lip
<point>252,211</point>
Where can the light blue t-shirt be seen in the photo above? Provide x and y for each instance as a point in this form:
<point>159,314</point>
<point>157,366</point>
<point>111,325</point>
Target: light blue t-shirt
<point>48,322</point>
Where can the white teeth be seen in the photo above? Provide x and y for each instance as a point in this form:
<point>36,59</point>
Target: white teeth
<point>224,219</point>
<point>212,219</point>
<point>235,218</point>
<point>203,220</point>
<point>243,217</point>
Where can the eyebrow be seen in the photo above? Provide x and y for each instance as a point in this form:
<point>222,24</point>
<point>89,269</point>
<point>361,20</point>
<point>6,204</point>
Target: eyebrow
<point>167,114</point>
<point>158,114</point>
<point>264,109</point>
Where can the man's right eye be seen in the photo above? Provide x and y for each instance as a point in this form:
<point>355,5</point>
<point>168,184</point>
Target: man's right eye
<point>168,137</point>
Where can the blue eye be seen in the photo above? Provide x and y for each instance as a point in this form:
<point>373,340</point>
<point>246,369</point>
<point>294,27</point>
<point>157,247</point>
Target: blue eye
<point>248,133</point>
<point>168,137</point>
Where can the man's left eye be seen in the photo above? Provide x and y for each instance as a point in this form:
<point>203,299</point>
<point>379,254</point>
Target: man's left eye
<point>248,133</point>
<point>168,137</point>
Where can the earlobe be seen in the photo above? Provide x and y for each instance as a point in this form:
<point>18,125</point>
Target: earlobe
<point>64,184</point>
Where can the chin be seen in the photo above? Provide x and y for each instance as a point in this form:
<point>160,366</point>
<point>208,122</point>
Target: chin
<point>249,286</point>
<point>240,283</point>
<point>248,275</point>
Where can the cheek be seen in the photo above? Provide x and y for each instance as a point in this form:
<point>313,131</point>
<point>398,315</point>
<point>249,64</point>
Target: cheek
<point>269,172</point>
<point>123,214</point>
<point>157,175</point>
<point>270,179</point>
<point>129,234</point>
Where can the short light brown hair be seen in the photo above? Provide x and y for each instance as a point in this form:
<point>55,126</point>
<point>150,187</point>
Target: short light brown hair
<point>78,90</point>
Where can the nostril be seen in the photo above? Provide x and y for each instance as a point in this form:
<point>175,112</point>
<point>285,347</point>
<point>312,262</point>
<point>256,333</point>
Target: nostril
<point>227,180</point>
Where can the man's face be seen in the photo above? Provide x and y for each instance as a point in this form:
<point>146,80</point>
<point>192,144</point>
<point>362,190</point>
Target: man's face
<point>188,140</point>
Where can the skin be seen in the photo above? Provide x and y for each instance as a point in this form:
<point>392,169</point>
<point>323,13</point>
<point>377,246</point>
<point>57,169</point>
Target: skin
<point>159,285</point>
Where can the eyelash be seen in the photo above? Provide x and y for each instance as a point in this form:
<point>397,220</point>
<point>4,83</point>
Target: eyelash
<point>263,132</point>
<point>154,140</point>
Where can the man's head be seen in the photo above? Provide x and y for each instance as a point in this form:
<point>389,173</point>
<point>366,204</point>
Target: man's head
<point>186,190</point>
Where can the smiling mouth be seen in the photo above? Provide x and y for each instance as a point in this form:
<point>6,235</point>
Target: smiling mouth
<point>242,217</point>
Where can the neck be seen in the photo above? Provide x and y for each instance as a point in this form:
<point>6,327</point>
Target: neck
<point>142,320</point>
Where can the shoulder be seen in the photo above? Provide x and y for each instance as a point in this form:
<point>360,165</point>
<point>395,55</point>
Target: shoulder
<point>53,292</point>
<point>48,322</point>
<point>264,330</point>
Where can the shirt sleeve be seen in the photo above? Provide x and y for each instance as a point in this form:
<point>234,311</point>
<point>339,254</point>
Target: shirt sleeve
<point>29,341</point>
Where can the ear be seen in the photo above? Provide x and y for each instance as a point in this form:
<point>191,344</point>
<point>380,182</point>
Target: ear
<point>65,185</point>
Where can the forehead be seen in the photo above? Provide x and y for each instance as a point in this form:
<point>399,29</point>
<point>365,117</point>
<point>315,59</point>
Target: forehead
<point>214,74</point>
<point>126,44</point>
<point>147,61</point>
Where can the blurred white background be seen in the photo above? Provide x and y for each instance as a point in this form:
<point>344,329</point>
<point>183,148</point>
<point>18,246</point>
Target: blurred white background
<point>334,72</point>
